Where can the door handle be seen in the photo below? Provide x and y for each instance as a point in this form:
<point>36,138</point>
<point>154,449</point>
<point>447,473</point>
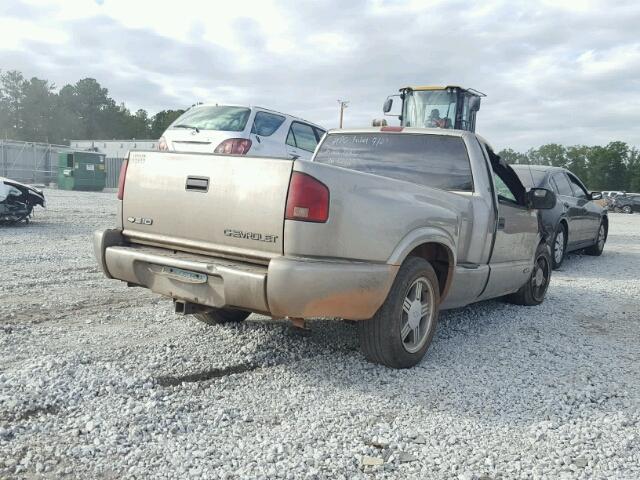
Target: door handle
<point>501,222</point>
<point>197,184</point>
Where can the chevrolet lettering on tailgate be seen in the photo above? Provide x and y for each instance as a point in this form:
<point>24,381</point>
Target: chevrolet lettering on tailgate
<point>258,237</point>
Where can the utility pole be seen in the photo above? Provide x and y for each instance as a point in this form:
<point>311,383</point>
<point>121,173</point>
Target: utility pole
<point>343,104</point>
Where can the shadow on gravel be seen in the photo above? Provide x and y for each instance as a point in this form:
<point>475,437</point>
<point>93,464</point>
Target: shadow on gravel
<point>33,412</point>
<point>172,381</point>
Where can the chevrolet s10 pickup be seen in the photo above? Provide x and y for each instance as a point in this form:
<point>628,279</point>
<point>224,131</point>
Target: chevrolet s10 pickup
<point>386,226</point>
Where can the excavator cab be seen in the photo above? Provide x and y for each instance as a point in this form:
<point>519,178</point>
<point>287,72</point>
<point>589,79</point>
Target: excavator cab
<point>449,107</point>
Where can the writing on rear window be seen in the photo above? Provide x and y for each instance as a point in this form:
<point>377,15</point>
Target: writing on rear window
<point>436,161</point>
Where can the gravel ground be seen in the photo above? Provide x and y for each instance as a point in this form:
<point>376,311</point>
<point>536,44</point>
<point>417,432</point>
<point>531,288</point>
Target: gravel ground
<point>101,381</point>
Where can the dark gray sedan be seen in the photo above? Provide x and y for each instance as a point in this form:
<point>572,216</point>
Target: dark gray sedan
<point>576,222</point>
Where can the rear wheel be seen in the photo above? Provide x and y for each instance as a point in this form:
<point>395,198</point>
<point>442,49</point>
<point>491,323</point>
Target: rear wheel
<point>217,316</point>
<point>626,209</point>
<point>400,332</point>
<point>533,292</point>
<point>597,248</point>
<point>559,246</point>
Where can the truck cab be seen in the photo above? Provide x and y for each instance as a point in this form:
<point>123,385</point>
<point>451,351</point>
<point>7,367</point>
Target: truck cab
<point>448,107</point>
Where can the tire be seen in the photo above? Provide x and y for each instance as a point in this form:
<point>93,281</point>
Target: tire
<point>559,246</point>
<point>597,248</point>
<point>533,292</point>
<point>219,316</point>
<point>626,209</point>
<point>389,337</point>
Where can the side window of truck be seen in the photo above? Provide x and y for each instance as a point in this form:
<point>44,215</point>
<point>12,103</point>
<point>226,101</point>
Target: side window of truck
<point>503,190</point>
<point>508,186</point>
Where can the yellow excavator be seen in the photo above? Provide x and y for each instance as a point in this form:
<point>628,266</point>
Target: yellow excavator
<point>450,107</point>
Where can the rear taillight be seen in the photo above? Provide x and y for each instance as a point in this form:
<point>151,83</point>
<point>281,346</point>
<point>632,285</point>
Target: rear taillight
<point>235,146</point>
<point>162,144</point>
<point>121,180</point>
<point>308,199</point>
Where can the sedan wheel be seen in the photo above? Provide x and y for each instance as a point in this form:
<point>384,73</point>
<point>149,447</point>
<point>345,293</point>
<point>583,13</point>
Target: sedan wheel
<point>559,246</point>
<point>626,209</point>
<point>540,278</point>
<point>597,248</point>
<point>533,292</point>
<point>602,235</point>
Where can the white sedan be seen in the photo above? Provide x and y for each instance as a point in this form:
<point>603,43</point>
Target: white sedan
<point>241,130</point>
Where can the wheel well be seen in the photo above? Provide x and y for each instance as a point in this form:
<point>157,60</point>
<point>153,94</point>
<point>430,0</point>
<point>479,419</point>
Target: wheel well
<point>441,259</point>
<point>563,221</point>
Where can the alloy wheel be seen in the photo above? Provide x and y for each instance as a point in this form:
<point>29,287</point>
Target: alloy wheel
<point>540,277</point>
<point>558,247</point>
<point>417,315</point>
<point>601,237</point>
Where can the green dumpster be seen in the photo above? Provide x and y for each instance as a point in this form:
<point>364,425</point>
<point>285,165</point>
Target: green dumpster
<point>81,171</point>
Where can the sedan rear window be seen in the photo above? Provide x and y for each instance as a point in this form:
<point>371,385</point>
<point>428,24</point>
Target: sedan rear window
<point>217,117</point>
<point>530,177</point>
<point>436,161</point>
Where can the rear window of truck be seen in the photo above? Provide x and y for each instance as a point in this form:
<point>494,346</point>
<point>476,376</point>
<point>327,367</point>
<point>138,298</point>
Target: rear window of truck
<point>436,161</point>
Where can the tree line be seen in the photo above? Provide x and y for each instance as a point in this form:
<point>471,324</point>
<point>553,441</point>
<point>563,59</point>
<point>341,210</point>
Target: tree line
<point>34,110</point>
<point>615,166</point>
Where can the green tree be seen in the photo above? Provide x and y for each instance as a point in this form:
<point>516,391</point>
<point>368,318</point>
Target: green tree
<point>38,105</point>
<point>12,96</point>
<point>161,121</point>
<point>552,154</point>
<point>577,161</point>
<point>633,171</point>
<point>512,157</point>
<point>607,167</point>
<point>89,101</point>
<point>139,125</point>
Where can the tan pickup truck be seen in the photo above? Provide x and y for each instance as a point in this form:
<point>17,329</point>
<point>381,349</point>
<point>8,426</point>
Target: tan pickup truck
<point>385,225</point>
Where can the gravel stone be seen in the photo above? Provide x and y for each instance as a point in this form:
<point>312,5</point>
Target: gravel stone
<point>98,380</point>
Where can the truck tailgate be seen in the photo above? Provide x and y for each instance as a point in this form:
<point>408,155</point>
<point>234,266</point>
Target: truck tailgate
<point>228,205</point>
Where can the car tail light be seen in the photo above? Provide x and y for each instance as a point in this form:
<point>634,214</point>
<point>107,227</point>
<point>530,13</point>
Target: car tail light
<point>162,144</point>
<point>308,199</point>
<point>122,178</point>
<point>236,146</point>
<point>391,128</point>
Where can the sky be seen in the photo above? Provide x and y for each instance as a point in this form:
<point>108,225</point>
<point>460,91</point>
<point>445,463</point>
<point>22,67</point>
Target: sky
<point>554,71</point>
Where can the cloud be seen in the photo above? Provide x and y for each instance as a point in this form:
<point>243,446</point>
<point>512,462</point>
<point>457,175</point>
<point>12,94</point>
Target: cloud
<point>563,72</point>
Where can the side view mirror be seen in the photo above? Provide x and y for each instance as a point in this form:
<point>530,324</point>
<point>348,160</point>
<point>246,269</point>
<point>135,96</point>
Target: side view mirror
<point>595,196</point>
<point>388,103</point>
<point>541,199</point>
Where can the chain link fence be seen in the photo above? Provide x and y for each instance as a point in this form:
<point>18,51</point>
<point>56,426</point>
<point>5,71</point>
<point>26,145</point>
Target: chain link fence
<point>37,163</point>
